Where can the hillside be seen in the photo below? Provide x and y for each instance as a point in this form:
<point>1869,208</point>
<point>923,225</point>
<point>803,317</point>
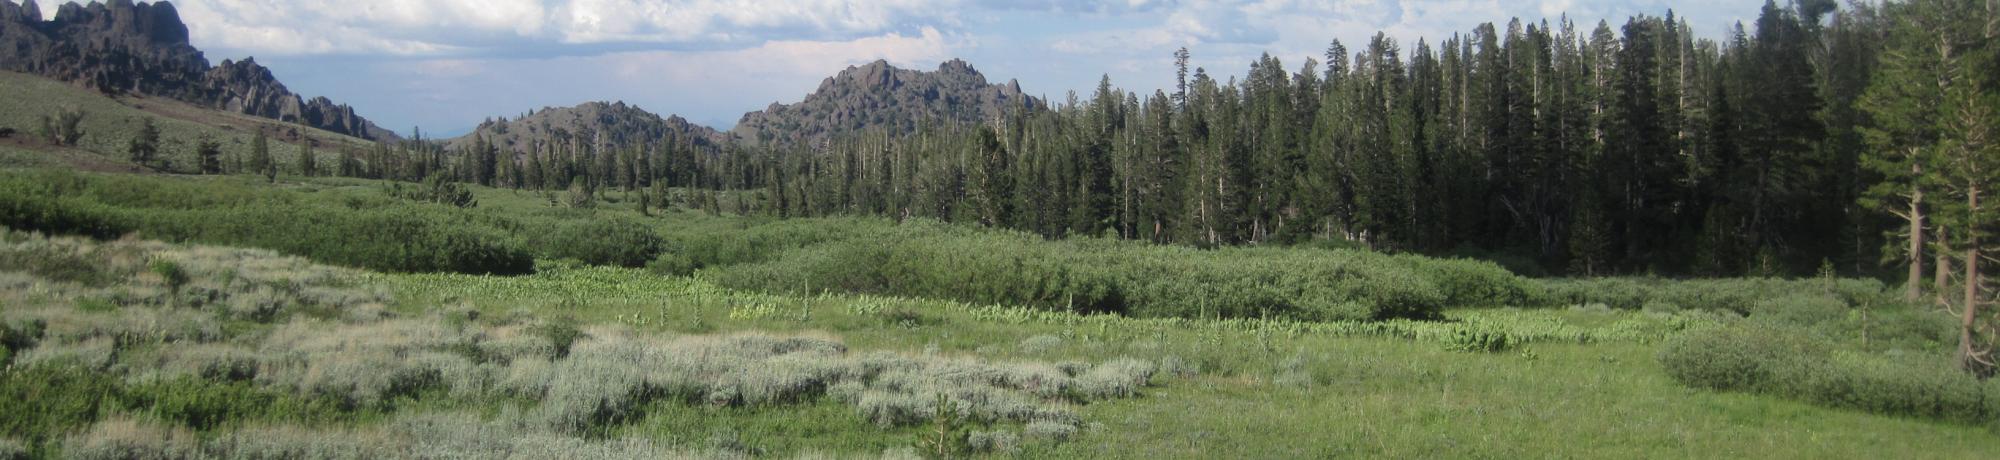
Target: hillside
<point>879,95</point>
<point>109,123</point>
<point>603,126</point>
<point>123,47</point>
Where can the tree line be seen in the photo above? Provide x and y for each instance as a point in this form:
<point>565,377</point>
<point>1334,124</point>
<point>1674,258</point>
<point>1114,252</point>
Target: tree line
<point>1634,148</point>
<point>1785,147</point>
<point>1816,139</point>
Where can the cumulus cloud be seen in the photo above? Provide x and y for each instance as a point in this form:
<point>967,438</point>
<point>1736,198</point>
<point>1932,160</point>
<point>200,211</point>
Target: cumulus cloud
<point>1080,6</point>
<point>436,27</point>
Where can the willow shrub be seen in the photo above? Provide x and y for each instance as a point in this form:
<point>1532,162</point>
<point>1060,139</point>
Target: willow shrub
<point>709,242</point>
<point>924,259</point>
<point>394,237</point>
<point>1785,361</point>
<point>608,241</point>
<point>1740,295</point>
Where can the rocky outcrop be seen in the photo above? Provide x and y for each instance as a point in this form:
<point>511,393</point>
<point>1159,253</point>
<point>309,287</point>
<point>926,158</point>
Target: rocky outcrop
<point>881,96</point>
<point>602,126</point>
<point>248,88</point>
<point>124,47</point>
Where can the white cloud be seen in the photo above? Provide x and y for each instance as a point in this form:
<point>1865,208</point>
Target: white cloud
<point>1555,7</point>
<point>434,27</point>
<point>794,60</point>
<point>1080,6</point>
<point>708,86</point>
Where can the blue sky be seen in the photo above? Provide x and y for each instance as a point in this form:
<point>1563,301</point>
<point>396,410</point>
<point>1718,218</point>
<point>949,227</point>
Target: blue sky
<point>445,65</point>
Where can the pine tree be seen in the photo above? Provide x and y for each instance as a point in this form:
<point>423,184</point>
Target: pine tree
<point>349,165</point>
<point>260,156</point>
<point>1933,141</point>
<point>146,144</point>
<point>308,162</point>
<point>992,186</point>
<point>208,154</point>
<point>1902,102</point>
<point>1779,128</point>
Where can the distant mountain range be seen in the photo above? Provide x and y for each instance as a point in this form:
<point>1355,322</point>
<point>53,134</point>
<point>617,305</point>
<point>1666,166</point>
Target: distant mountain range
<point>122,47</point>
<point>860,98</point>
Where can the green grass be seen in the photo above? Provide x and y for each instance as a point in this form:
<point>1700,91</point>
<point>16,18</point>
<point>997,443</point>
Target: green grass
<point>1359,396</point>
<point>1249,391</point>
<point>1388,399</point>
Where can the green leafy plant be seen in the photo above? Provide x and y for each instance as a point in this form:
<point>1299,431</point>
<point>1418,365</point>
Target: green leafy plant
<point>562,333</point>
<point>1470,339</point>
<point>169,272</point>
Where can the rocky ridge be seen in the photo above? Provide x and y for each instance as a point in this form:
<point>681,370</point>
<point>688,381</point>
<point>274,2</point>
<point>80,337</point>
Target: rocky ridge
<point>603,126</point>
<point>879,95</point>
<point>123,47</point>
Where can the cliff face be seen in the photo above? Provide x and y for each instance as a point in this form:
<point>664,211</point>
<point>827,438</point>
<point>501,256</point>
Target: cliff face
<point>248,88</point>
<point>881,96</point>
<point>124,47</point>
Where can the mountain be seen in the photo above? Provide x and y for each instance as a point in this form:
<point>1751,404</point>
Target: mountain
<point>879,95</point>
<point>603,125</point>
<point>122,47</point>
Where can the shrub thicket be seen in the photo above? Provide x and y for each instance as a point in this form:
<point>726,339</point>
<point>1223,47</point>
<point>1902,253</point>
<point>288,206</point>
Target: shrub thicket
<point>981,266</point>
<point>403,238</point>
<point>1740,295</point>
<point>605,241</point>
<point>1861,311</point>
<point>714,242</point>
<point>204,404</point>
<point>44,401</point>
<point>438,188</point>
<point>1789,362</point>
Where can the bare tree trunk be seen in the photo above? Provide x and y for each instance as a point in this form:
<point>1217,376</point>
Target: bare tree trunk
<point>1942,282</point>
<point>1913,288</point>
<point>1968,355</point>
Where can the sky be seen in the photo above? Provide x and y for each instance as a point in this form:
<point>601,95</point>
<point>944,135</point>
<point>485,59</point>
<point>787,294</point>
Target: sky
<point>445,65</point>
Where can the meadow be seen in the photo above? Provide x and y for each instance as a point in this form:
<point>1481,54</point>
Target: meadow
<point>678,333</point>
<point>983,291</point>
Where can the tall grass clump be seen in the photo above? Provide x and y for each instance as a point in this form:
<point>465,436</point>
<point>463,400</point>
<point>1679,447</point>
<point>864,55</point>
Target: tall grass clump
<point>13,450</point>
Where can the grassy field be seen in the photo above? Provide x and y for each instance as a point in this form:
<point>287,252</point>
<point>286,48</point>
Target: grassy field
<point>1580,382</point>
<point>1577,375</point>
<point>289,320</point>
